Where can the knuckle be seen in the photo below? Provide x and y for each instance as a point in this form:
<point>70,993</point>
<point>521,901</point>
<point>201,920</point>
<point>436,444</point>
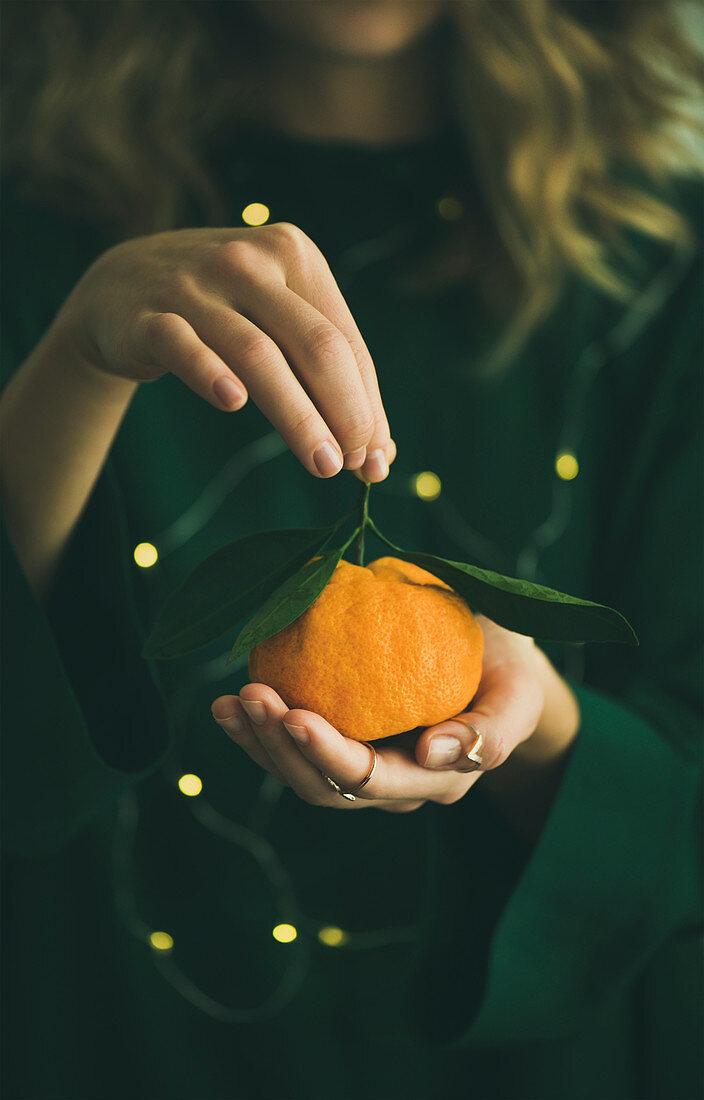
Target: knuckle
<point>256,352</point>
<point>494,752</point>
<point>192,362</point>
<point>327,344</point>
<point>303,422</point>
<point>357,426</point>
<point>442,799</point>
<point>447,798</point>
<point>239,257</point>
<point>160,329</point>
<point>361,353</point>
<point>294,252</point>
<point>289,237</point>
<point>182,286</point>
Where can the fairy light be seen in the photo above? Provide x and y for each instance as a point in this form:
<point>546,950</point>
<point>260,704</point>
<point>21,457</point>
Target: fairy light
<point>161,941</point>
<point>146,555</point>
<point>566,466</point>
<point>284,933</point>
<point>255,213</point>
<point>190,785</point>
<point>332,936</point>
<point>449,208</point>
<point>427,485</point>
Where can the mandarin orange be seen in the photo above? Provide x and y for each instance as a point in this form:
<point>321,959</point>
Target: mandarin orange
<point>385,647</point>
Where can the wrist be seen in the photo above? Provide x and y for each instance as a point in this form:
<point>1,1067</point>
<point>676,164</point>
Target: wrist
<point>66,348</point>
<point>525,786</point>
<point>560,719</point>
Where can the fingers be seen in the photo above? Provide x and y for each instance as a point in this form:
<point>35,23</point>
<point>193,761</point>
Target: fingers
<point>300,747</point>
<point>230,715</point>
<point>324,294</point>
<point>396,776</point>
<point>505,711</point>
<point>265,710</point>
<point>261,315</point>
<point>168,341</point>
<point>377,463</point>
<point>272,385</point>
<point>321,358</point>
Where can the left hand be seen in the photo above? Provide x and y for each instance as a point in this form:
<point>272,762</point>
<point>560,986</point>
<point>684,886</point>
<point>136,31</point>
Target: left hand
<point>521,700</point>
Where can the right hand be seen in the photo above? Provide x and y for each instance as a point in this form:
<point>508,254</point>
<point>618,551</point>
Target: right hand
<point>233,312</point>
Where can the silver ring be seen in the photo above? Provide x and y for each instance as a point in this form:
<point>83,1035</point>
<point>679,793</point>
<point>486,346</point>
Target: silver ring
<point>474,756</point>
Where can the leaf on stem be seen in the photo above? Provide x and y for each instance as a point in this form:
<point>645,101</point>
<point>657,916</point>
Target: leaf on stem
<point>519,605</point>
<point>230,585</point>
<point>288,602</point>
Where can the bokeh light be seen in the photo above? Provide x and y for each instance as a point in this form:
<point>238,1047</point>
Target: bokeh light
<point>190,785</point>
<point>146,555</point>
<point>255,213</point>
<point>566,466</point>
<point>284,933</point>
<point>449,208</point>
<point>427,485</point>
<point>332,936</point>
<point>161,941</point>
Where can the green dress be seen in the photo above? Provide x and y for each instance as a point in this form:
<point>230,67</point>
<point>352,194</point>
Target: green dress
<point>469,963</point>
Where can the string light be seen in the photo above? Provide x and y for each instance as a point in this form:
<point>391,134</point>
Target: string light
<point>146,555</point>
<point>332,936</point>
<point>284,933</point>
<point>427,485</point>
<point>190,785</point>
<point>264,449</point>
<point>449,208</point>
<point>255,213</point>
<point>161,941</point>
<point>566,466</point>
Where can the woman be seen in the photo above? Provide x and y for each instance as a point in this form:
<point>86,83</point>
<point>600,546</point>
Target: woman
<point>283,211</point>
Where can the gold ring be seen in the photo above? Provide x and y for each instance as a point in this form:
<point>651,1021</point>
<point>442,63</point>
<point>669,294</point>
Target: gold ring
<point>346,794</point>
<point>333,784</point>
<point>372,766</point>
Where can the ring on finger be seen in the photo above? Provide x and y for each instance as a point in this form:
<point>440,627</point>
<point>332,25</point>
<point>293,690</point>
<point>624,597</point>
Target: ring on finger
<point>474,756</point>
<point>346,794</point>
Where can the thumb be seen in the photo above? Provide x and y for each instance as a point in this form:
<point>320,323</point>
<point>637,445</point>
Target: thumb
<point>503,715</point>
<point>458,745</point>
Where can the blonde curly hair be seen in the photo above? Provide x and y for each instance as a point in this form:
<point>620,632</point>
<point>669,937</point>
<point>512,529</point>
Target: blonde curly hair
<point>575,114</point>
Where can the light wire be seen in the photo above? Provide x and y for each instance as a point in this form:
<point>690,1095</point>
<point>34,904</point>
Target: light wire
<point>250,837</point>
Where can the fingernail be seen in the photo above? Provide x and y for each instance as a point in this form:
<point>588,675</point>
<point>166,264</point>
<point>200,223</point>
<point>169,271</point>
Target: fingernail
<point>376,467</point>
<point>229,718</point>
<point>327,460</point>
<point>228,392</point>
<point>355,459</point>
<point>233,723</point>
<point>443,750</point>
<point>298,733</point>
<point>255,710</point>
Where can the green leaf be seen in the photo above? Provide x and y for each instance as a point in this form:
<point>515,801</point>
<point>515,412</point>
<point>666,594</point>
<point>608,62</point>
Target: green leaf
<point>230,585</point>
<point>519,605</point>
<point>288,602</point>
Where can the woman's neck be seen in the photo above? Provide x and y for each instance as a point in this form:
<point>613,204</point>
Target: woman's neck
<point>376,102</point>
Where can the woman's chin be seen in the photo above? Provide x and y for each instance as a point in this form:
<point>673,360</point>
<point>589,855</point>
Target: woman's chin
<point>351,29</point>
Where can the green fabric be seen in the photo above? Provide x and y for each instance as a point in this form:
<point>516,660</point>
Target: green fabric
<point>569,970</point>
